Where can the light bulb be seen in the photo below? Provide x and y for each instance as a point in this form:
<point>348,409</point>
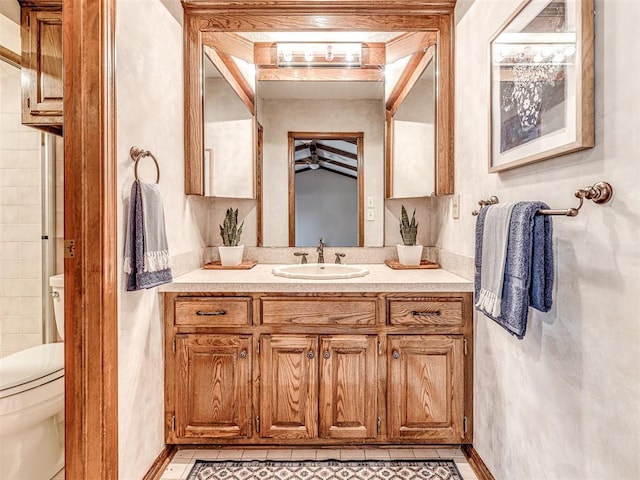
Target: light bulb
<point>314,166</point>
<point>329,55</point>
<point>287,55</point>
<point>308,55</point>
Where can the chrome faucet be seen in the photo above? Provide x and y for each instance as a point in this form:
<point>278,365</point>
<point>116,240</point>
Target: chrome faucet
<point>320,251</point>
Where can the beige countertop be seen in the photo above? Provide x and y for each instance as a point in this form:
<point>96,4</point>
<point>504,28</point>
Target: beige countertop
<point>260,279</point>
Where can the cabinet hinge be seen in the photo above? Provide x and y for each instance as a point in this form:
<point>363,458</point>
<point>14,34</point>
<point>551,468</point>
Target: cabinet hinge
<point>379,347</point>
<point>258,423</point>
<point>28,102</point>
<point>258,347</point>
<point>173,423</point>
<point>379,424</point>
<point>464,424</point>
<point>464,341</point>
<point>28,21</point>
<point>174,345</point>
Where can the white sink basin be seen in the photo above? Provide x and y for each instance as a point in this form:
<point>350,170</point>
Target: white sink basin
<point>320,271</point>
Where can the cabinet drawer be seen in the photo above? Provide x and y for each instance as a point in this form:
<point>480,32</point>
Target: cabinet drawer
<point>426,311</point>
<point>217,312</point>
<point>319,311</point>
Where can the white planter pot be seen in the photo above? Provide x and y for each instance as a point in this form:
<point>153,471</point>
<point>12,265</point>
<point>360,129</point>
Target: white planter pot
<point>231,256</point>
<point>409,254</point>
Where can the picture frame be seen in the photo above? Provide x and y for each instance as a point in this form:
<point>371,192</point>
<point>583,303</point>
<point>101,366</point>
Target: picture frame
<point>542,83</point>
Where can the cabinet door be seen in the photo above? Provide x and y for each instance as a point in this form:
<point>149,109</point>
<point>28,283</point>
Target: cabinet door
<point>213,382</point>
<point>42,67</point>
<point>288,386</point>
<point>348,400</point>
<point>426,387</point>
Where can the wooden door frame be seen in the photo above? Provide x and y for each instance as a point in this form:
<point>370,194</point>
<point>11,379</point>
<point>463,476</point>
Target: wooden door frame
<point>90,232</point>
<point>291,138</point>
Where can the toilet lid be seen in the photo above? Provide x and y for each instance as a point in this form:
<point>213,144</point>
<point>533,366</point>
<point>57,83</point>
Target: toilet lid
<point>30,368</point>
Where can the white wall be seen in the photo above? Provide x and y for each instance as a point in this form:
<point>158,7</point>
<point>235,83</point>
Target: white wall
<point>563,402</point>
<point>278,117</point>
<point>150,116</point>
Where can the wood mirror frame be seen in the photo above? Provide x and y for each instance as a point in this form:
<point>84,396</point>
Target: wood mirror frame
<point>201,16</point>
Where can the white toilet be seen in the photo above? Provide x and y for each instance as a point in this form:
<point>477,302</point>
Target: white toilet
<point>32,405</point>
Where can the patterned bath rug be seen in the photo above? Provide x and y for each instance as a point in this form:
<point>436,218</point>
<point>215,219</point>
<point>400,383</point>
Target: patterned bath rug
<point>325,470</point>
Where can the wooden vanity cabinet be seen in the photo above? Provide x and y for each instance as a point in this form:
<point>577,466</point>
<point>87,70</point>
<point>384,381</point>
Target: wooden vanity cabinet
<point>213,386</point>
<point>288,387</point>
<point>348,387</point>
<point>42,67</point>
<point>318,386</point>
<point>318,369</point>
<point>426,387</point>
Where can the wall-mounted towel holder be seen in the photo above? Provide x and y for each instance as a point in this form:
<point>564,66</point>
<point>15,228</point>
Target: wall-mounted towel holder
<point>137,154</point>
<point>600,192</point>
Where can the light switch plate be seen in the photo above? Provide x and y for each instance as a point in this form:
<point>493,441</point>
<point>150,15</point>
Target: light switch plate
<point>455,206</point>
<point>370,214</point>
<point>370,203</point>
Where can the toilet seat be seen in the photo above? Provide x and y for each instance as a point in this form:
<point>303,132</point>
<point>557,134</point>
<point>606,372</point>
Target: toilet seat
<point>31,368</point>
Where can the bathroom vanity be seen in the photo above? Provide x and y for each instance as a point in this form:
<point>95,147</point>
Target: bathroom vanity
<point>251,358</point>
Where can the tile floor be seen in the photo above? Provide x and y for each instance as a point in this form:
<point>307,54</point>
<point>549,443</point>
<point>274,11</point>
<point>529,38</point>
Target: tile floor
<point>183,460</point>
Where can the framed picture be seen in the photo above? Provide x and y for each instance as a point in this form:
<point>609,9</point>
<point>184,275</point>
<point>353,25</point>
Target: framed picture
<point>542,83</point>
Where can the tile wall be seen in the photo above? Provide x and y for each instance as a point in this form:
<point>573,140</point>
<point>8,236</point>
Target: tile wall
<point>20,222</point>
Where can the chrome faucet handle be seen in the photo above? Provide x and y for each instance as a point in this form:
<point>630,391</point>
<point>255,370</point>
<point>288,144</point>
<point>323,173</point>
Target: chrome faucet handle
<point>339,256</point>
<point>320,250</point>
<point>303,255</point>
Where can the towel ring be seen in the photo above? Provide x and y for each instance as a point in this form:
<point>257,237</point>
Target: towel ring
<point>136,154</point>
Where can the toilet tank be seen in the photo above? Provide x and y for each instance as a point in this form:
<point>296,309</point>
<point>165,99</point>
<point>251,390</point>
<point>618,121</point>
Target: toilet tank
<point>56,283</point>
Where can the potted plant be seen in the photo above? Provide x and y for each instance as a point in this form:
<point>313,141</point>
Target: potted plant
<point>230,251</point>
<point>409,253</point>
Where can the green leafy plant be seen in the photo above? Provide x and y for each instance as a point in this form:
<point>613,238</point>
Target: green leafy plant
<point>229,230</point>
<point>408,230</point>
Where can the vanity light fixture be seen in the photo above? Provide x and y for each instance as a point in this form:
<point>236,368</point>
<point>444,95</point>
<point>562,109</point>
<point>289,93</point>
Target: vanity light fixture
<point>319,54</point>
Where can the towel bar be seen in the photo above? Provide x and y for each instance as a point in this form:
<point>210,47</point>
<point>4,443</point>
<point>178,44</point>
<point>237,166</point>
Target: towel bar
<point>600,192</point>
<point>137,153</point>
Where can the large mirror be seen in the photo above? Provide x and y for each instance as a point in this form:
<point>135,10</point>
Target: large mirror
<point>334,87</point>
<point>229,126</point>
<point>410,126</point>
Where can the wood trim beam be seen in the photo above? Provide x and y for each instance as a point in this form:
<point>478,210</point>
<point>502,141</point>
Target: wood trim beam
<point>230,44</point>
<point>259,167</point>
<point>337,151</point>
<point>477,464</point>
<point>157,468</point>
<point>408,79</point>
<point>303,161</point>
<point>256,20</point>
<point>388,157</point>
<point>444,173</point>
<point>322,74</point>
<point>361,206</point>
<point>331,6</point>
<point>292,186</point>
<point>408,44</point>
<point>90,221</point>
<point>231,73</point>
<point>194,107</point>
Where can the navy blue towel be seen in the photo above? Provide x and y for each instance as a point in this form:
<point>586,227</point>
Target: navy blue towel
<point>528,276</point>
